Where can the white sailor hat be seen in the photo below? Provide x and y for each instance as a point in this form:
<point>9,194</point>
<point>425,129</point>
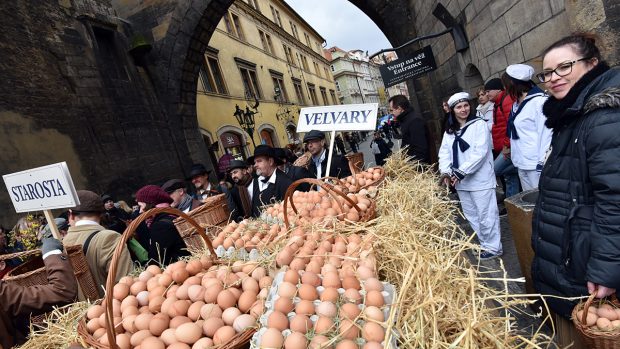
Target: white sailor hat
<point>522,72</point>
<point>458,98</point>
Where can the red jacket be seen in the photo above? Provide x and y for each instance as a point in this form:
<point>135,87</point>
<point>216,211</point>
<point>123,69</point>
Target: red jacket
<point>501,112</point>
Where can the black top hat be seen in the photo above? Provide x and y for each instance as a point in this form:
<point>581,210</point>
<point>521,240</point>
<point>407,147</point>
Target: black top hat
<point>314,134</point>
<point>265,150</point>
<point>236,164</point>
<point>197,170</point>
<point>173,184</point>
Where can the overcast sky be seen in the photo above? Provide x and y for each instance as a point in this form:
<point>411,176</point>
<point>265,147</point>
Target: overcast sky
<point>341,24</point>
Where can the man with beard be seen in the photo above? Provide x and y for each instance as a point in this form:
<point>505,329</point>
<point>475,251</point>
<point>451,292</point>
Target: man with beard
<point>412,129</point>
<point>272,183</point>
<point>241,193</point>
<point>315,141</point>
<point>199,176</point>
<point>181,200</point>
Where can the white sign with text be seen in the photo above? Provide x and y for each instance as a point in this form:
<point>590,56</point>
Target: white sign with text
<point>344,117</point>
<point>41,188</point>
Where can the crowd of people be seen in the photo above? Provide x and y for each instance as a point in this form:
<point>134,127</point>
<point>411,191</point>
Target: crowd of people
<point>562,141</point>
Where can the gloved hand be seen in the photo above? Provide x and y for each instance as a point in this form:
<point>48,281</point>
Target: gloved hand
<point>50,244</point>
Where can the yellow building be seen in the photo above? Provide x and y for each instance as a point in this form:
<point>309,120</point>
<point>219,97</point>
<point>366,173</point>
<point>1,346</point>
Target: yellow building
<point>262,51</point>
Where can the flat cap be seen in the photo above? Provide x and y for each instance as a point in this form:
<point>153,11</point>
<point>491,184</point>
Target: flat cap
<point>313,134</point>
<point>89,202</point>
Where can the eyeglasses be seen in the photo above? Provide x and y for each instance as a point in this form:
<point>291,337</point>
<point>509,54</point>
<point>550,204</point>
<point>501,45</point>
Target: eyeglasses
<point>561,70</point>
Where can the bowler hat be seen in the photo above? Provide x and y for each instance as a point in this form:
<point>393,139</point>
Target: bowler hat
<point>313,134</point>
<point>89,202</point>
<point>152,194</point>
<point>173,184</point>
<point>236,164</point>
<point>197,170</point>
<point>265,150</point>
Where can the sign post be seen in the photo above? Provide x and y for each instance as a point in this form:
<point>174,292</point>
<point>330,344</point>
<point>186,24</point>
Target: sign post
<point>42,189</point>
<point>332,118</point>
<point>402,69</point>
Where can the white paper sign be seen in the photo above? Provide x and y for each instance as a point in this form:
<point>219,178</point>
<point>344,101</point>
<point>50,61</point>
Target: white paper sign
<point>343,117</point>
<point>42,188</point>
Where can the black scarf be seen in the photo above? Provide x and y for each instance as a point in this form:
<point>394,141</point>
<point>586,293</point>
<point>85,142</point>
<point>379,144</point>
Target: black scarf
<point>554,109</point>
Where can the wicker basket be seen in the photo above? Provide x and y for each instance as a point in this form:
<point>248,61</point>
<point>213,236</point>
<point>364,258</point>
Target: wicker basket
<point>303,160</point>
<point>593,337</point>
<point>214,212</point>
<point>369,214</point>
<point>356,160</point>
<point>238,341</point>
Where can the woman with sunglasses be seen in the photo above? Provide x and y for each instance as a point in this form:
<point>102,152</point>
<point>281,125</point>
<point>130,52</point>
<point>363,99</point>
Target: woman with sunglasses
<point>576,227</point>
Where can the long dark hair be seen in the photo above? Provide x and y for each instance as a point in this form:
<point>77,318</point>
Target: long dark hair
<point>515,88</point>
<point>452,125</point>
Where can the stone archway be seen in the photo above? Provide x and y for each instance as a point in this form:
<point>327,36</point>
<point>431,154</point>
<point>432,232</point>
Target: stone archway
<point>472,79</point>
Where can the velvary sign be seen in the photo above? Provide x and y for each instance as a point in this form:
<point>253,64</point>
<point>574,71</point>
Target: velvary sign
<point>41,188</point>
<point>344,117</point>
<point>419,63</point>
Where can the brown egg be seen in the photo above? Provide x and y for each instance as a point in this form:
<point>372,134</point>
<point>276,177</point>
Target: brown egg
<point>172,291</point>
<point>374,298</point>
<point>188,333</point>
<point>123,340</point>
<point>310,278</point>
<point>155,304</point>
<point>128,323</point>
<point>226,299</point>
<point>178,345</point>
<point>258,308</point>
<point>300,323</point>
<point>211,325</point>
<point>295,340</point>
<point>284,257</point>
<point>348,329</point>
<point>165,280</point>
<point>331,279</point>
<point>212,291</point>
<point>159,323</point>
<point>223,335</point>
<point>330,294</point>
<point>284,305</point>
<point>168,336</point>
<point>349,311</point>
<point>291,276</point>
<point>265,282</point>
<point>120,291</point>
<point>352,295</point>
<point>202,343</point>
<point>243,322</point>
<point>272,338</point>
<point>194,267</point>
<point>319,341</point>
<point>145,276</point>
<point>235,291</point>
<point>178,321</point>
<point>372,284</point>
<point>195,292</point>
<point>323,325</point>
<point>246,300</point>
<point>153,343</point>
<point>180,275</point>
<point>298,264</point>
<point>259,273</point>
<point>210,310</point>
<point>230,314</point>
<point>93,325</point>
<point>374,313</point>
<point>327,309</point>
<point>152,283</point>
<point>192,280</point>
<point>99,333</point>
<point>249,284</point>
<point>165,306</point>
<point>351,282</point>
<point>347,344</point>
<point>287,290</point>
<point>179,308</point>
<point>372,345</point>
<point>142,321</point>
<point>137,287</point>
<point>277,320</point>
<point>373,332</point>
<point>305,307</point>
<point>308,292</point>
<point>313,267</point>
<point>193,312</point>
<point>139,337</point>
<point>95,311</point>
<point>365,273</point>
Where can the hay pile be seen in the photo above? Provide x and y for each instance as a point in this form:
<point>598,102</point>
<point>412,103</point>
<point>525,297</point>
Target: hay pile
<point>59,329</point>
<point>443,301</point>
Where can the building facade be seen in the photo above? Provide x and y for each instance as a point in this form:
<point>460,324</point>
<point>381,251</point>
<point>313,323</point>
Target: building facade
<point>358,79</point>
<point>265,59</point>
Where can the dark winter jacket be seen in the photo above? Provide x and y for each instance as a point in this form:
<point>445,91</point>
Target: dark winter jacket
<point>166,244</point>
<point>339,168</point>
<point>413,130</point>
<point>576,226</point>
<point>501,112</point>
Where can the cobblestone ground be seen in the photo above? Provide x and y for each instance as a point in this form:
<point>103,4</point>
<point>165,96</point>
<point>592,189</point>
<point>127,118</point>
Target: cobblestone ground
<point>525,320</point>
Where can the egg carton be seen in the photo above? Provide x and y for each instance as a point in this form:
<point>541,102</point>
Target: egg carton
<point>240,254</point>
<point>389,297</point>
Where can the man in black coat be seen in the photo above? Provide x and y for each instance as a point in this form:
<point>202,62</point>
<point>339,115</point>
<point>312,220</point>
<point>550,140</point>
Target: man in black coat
<point>315,141</point>
<point>293,172</point>
<point>412,129</point>
<point>241,193</point>
<point>113,217</point>
<point>271,184</point>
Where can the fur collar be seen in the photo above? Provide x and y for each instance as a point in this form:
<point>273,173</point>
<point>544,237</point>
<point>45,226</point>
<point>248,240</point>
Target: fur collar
<point>608,98</point>
<point>562,112</point>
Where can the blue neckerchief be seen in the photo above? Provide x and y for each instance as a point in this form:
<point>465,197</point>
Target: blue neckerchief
<point>459,143</point>
<point>511,130</point>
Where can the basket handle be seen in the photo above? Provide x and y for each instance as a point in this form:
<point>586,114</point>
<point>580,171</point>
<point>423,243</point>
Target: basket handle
<point>329,188</point>
<point>107,301</point>
<point>589,302</point>
<point>28,253</point>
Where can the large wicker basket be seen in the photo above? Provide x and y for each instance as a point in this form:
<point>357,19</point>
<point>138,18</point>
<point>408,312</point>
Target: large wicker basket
<point>213,213</point>
<point>369,214</point>
<point>592,337</point>
<point>238,341</point>
<point>32,273</point>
